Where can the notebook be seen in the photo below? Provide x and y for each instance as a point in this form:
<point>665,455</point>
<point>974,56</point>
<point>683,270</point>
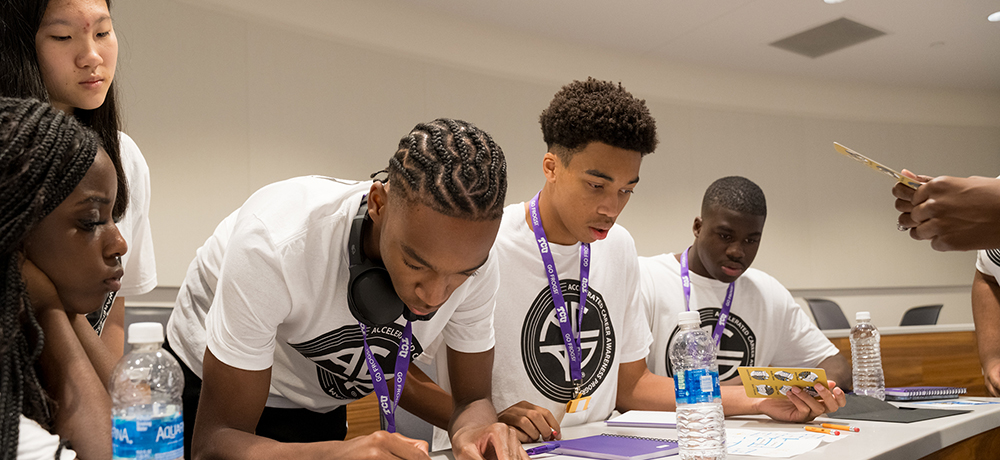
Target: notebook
<point>645,419</point>
<point>617,447</point>
<point>922,393</point>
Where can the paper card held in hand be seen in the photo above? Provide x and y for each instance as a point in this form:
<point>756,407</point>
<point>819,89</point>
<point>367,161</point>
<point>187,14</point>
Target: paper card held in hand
<point>774,382</point>
<point>877,166</point>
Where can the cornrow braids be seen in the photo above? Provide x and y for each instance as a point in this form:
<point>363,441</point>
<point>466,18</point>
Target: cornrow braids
<point>597,111</point>
<point>44,154</point>
<point>453,167</point>
<point>735,193</point>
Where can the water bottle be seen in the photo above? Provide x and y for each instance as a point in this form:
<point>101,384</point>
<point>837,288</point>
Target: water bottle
<point>866,356</point>
<point>146,388</point>
<point>701,430</point>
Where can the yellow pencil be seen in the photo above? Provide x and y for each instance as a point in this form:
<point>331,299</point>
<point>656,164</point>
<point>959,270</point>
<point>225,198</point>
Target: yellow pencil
<point>822,430</point>
<point>841,427</point>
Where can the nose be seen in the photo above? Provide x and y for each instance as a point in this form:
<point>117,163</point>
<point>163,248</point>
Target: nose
<point>434,291</point>
<point>612,204</point>
<point>115,245</point>
<point>89,55</point>
<point>735,250</point>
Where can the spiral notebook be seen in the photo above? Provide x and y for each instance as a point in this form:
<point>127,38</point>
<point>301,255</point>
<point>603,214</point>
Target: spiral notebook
<point>922,393</point>
<point>617,447</point>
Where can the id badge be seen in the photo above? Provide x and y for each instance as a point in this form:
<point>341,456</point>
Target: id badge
<point>579,404</point>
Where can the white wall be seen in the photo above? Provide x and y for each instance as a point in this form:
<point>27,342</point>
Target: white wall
<point>225,96</point>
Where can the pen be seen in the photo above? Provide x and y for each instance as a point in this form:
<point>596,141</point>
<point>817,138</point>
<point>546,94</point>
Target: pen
<point>841,427</point>
<point>822,430</point>
<point>543,449</point>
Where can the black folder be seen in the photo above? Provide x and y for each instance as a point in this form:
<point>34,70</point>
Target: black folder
<point>871,409</point>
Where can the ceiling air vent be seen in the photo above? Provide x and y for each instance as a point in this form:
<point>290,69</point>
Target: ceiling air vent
<point>828,38</point>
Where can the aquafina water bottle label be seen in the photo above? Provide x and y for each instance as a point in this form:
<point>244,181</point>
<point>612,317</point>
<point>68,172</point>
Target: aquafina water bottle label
<point>160,438</point>
<point>697,386</point>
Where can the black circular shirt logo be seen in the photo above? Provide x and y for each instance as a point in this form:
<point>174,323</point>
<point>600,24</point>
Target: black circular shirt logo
<point>738,346</point>
<point>340,358</point>
<point>544,352</point>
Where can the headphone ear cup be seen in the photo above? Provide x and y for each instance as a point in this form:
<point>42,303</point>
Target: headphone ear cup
<point>371,296</point>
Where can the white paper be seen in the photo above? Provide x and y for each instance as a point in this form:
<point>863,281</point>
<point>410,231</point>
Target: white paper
<point>774,443</point>
<point>645,418</point>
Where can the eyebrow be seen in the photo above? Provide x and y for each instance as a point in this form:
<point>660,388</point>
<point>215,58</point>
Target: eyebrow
<point>596,173</point>
<point>729,229</point>
<point>420,260</point>
<point>94,199</point>
<point>65,22</point>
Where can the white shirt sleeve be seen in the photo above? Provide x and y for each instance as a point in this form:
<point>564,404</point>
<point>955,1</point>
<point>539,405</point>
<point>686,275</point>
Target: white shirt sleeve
<point>139,261</point>
<point>805,345</point>
<point>637,335</point>
<point>35,443</point>
<point>252,298</point>
<point>988,262</point>
<point>470,329</point>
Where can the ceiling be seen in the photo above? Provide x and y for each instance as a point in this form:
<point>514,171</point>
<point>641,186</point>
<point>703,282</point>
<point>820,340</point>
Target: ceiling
<point>945,44</point>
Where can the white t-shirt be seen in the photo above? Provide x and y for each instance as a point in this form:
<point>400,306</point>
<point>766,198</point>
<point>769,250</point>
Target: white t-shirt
<point>269,289</point>
<point>765,328</point>
<point>139,261</point>
<point>988,262</point>
<point>35,443</point>
<point>530,362</point>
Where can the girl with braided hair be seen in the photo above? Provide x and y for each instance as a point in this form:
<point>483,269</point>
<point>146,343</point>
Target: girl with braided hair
<point>65,52</point>
<point>59,256</point>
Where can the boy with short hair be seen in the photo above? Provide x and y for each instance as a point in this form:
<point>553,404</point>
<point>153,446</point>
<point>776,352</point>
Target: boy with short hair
<point>754,318</point>
<point>558,364</point>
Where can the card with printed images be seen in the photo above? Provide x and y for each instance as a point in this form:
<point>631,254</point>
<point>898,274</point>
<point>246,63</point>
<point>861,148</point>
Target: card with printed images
<point>877,166</point>
<point>774,382</point>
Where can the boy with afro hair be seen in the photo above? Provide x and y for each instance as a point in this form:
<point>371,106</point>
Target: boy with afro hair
<point>571,337</point>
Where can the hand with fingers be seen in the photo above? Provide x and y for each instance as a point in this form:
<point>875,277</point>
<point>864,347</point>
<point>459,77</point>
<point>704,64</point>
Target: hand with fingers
<point>532,423</point>
<point>799,406</point>
<point>954,213</point>
<point>496,441</point>
<point>383,445</point>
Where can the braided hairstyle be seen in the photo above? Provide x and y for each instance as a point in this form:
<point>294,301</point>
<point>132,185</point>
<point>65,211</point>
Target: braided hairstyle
<point>597,111</point>
<point>453,167</point>
<point>21,76</point>
<point>735,193</point>
<point>44,154</point>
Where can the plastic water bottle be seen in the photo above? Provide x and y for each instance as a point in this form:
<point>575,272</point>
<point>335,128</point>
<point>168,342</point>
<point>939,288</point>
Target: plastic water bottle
<point>866,356</point>
<point>701,430</point>
<point>146,389</point>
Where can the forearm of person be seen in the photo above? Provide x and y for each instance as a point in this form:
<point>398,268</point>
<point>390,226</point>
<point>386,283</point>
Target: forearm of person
<point>426,399</point>
<point>839,370</point>
<point>113,334</point>
<point>471,375</point>
<point>986,315</point>
<point>638,388</point>
<point>231,402</point>
<point>83,415</point>
<point>101,359</point>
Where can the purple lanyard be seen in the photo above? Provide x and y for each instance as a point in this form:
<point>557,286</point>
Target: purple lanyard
<point>726,306</point>
<point>387,406</point>
<point>571,339</point>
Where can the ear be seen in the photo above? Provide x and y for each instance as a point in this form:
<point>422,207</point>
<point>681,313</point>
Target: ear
<point>550,163</point>
<point>378,199</point>
<point>696,228</point>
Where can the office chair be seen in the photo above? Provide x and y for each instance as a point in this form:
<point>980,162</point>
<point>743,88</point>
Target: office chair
<point>920,316</point>
<point>828,314</point>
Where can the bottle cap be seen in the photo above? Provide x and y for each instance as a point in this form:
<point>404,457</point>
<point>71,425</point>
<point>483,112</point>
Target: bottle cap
<point>145,333</point>
<point>862,315</point>
<point>688,317</point>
